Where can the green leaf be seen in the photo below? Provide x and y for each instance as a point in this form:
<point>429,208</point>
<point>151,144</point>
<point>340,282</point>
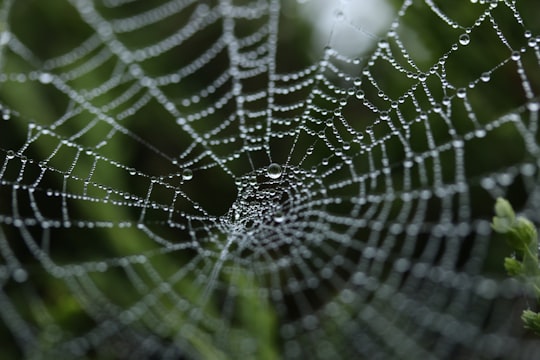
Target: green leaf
<point>513,267</point>
<point>506,216</point>
<point>531,320</point>
<point>522,236</point>
<point>520,231</point>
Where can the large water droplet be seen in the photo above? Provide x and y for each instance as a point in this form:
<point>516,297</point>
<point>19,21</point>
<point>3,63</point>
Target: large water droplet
<point>187,174</point>
<point>273,171</point>
<point>464,39</point>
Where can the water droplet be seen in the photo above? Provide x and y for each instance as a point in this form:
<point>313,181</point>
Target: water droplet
<point>461,93</point>
<point>279,216</point>
<point>45,78</point>
<point>458,143</point>
<point>480,133</point>
<point>187,174</point>
<point>533,106</point>
<point>6,114</point>
<point>485,76</point>
<point>20,275</point>
<point>273,171</point>
<point>515,55</point>
<point>10,154</point>
<point>464,39</point>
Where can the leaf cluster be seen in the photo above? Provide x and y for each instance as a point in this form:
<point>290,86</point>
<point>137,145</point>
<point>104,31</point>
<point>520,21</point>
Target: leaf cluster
<point>522,236</point>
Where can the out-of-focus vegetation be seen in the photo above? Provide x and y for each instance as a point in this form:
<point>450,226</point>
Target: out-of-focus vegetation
<point>522,237</point>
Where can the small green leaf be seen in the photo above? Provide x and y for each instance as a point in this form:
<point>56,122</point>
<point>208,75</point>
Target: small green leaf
<point>513,267</point>
<point>520,232</point>
<point>531,320</point>
<point>522,236</point>
<point>506,216</point>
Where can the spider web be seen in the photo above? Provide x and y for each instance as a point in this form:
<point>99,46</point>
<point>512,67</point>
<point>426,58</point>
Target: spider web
<point>180,179</point>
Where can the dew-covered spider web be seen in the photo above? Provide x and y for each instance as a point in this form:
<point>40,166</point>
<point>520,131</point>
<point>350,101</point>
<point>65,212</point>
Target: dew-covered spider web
<point>239,179</point>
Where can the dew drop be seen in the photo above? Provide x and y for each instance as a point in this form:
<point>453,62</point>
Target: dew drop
<point>279,216</point>
<point>187,174</point>
<point>458,143</point>
<point>533,106</point>
<point>515,55</point>
<point>45,78</point>
<point>480,133</point>
<point>464,39</point>
<point>20,275</point>
<point>485,77</point>
<point>273,171</point>
<point>461,93</point>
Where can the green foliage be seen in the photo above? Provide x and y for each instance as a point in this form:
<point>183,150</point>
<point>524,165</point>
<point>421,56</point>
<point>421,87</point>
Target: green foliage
<point>531,320</point>
<point>522,236</point>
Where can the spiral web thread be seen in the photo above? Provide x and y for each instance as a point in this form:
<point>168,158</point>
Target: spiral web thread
<point>171,188</point>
